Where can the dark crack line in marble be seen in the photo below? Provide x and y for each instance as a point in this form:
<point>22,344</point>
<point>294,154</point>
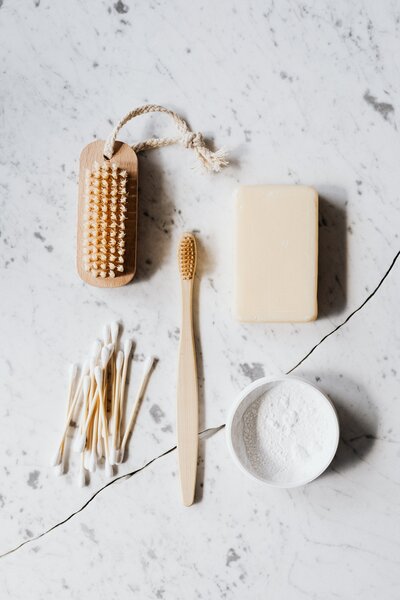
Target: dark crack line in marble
<point>205,434</point>
<point>371,295</point>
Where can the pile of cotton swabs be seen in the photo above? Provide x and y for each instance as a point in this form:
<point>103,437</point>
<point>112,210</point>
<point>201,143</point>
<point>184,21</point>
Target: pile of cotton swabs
<point>96,404</point>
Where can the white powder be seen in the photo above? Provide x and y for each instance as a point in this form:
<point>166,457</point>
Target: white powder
<point>287,434</point>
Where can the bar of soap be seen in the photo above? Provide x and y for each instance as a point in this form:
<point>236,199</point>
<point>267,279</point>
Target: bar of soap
<point>276,253</point>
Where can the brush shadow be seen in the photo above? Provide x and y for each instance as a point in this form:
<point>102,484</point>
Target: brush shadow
<point>357,432</point>
<point>156,217</point>
<point>332,257</point>
<point>200,373</point>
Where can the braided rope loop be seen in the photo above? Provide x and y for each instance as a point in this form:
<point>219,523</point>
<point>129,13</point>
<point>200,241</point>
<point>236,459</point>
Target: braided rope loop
<point>212,161</point>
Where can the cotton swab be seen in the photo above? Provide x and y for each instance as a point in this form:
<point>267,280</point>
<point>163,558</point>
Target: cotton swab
<point>72,372</point>
<point>148,365</point>
<point>80,441</point>
<point>115,408</point>
<point>71,404</point>
<point>96,349</point>
<point>106,334</point>
<point>82,474</point>
<point>127,355</point>
<point>105,357</point>
<point>98,373</point>
<point>114,327</point>
<point>96,400</point>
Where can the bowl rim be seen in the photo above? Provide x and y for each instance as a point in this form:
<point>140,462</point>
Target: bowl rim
<point>244,394</point>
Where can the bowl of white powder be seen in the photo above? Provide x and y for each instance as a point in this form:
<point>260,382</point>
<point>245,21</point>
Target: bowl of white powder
<point>284,431</point>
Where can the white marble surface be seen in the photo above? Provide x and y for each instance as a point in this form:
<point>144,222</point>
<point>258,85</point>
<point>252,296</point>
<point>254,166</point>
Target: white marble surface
<point>299,92</point>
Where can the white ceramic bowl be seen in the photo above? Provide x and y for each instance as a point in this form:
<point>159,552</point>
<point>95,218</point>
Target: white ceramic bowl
<point>234,429</point>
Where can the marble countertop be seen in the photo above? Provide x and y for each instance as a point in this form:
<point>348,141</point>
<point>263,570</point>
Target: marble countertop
<point>299,93</point>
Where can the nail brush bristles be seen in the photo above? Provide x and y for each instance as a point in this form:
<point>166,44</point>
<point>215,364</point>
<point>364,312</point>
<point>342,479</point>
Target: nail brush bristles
<point>105,215</point>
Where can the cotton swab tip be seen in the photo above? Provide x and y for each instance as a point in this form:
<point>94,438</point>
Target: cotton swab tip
<point>73,369</point>
<point>148,364</point>
<point>96,349</point>
<point>106,334</point>
<point>86,386</point>
<point>86,368</point>
<point>128,348</point>
<point>86,460</point>
<point>109,470</point>
<point>105,357</point>
<point>56,458</point>
<point>112,456</point>
<point>111,348</point>
<point>59,470</point>
<point>82,478</point>
<point>120,360</point>
<point>92,363</point>
<point>121,455</point>
<point>79,443</point>
<point>114,331</point>
<point>98,375</point>
<point>92,462</point>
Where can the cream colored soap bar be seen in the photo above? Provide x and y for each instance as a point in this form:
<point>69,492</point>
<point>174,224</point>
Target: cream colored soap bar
<point>276,253</point>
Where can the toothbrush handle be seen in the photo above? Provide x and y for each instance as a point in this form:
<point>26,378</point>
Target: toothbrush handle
<point>187,399</point>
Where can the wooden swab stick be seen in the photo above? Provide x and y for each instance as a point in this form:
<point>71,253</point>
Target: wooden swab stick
<point>148,364</point>
<point>127,355</point>
<point>115,408</point>
<point>59,467</point>
<point>98,373</point>
<point>105,357</point>
<point>72,406</point>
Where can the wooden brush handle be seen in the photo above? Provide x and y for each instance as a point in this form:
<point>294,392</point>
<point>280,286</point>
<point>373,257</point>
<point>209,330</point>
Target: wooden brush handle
<point>187,399</point>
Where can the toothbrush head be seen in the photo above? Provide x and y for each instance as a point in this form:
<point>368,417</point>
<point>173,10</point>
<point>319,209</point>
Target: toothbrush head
<point>187,256</point>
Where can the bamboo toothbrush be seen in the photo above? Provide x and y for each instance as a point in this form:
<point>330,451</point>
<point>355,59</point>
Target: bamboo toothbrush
<point>187,392</point>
